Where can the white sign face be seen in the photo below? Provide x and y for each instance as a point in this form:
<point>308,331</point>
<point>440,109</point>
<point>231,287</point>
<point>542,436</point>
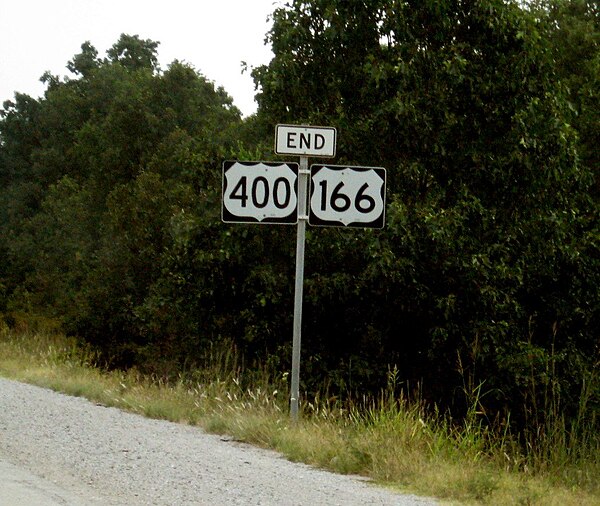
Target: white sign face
<point>260,192</point>
<point>347,196</point>
<point>305,140</point>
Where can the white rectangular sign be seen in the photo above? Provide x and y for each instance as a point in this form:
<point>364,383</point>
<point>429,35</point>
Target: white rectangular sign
<point>305,140</point>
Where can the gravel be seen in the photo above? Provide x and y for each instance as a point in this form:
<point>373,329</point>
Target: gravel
<point>102,456</point>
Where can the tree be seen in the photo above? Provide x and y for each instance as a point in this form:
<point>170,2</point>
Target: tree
<point>84,62</point>
<point>134,53</point>
<point>93,174</point>
<point>574,32</point>
<point>53,249</point>
<point>488,250</point>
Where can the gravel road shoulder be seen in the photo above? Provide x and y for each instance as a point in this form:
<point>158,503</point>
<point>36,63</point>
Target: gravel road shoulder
<point>83,453</point>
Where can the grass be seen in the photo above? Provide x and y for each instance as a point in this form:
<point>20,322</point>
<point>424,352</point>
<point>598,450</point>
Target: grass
<point>391,440</point>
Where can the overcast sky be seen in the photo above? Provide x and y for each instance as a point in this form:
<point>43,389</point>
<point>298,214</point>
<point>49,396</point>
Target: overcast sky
<point>215,36</point>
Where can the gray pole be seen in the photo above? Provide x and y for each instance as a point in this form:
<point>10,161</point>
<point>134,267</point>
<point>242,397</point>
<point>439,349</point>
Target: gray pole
<point>300,239</point>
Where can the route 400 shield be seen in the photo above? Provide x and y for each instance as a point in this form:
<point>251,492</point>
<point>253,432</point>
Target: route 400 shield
<point>260,192</point>
<point>347,196</point>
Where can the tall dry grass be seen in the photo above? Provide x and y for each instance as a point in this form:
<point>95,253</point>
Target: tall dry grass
<point>390,439</point>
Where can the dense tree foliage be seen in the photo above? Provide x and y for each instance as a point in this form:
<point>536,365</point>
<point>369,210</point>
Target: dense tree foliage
<point>485,278</point>
<point>486,268</point>
<point>93,175</point>
<point>574,33</point>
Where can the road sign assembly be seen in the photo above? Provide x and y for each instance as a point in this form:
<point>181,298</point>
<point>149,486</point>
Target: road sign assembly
<point>278,192</point>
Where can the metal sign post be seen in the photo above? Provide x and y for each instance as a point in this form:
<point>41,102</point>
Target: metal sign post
<point>303,176</point>
<point>304,141</point>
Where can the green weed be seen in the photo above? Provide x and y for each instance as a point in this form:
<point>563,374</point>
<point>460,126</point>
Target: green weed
<point>391,439</point>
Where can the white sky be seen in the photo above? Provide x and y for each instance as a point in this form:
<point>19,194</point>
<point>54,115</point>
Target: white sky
<point>214,36</point>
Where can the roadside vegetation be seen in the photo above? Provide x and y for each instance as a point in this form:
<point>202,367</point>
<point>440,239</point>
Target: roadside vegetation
<point>458,347</point>
<point>395,441</point>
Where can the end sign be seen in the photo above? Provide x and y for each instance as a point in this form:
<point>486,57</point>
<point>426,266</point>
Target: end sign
<point>305,140</point>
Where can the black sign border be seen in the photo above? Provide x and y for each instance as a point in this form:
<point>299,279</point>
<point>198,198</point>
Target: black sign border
<point>228,217</point>
<point>315,221</point>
